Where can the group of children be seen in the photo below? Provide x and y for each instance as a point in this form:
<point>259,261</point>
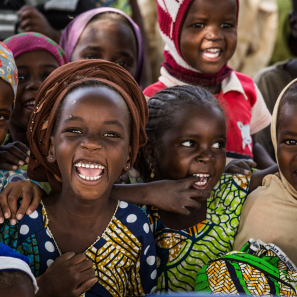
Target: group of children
<point>198,217</point>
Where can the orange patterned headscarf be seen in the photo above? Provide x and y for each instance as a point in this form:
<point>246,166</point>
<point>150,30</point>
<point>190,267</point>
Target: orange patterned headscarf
<point>50,96</point>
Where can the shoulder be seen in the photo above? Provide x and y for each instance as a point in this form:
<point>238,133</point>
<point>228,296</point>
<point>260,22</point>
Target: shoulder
<point>11,176</point>
<point>134,218</point>
<point>151,90</point>
<point>231,190</point>
<point>270,73</point>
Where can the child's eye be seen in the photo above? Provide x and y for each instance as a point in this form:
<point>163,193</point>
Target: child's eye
<point>199,25</point>
<point>112,135</point>
<point>74,131</point>
<point>22,77</point>
<point>44,77</point>
<point>291,142</point>
<point>188,143</point>
<point>226,26</point>
<point>3,118</point>
<point>122,64</point>
<point>218,145</point>
<point>89,57</point>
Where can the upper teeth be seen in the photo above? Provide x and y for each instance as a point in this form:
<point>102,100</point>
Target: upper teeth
<point>32,102</point>
<point>201,175</point>
<point>88,165</point>
<point>212,52</point>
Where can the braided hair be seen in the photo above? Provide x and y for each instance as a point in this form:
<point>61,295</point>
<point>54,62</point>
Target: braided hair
<point>162,107</point>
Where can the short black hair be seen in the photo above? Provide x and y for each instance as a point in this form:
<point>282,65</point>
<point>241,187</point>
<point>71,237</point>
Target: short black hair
<point>162,108</point>
<point>290,97</point>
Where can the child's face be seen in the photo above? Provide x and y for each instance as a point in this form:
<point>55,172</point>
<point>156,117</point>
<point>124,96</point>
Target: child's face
<point>113,42</point>
<point>194,145</point>
<point>33,67</point>
<point>287,143</point>
<point>6,101</point>
<point>209,34</point>
<point>93,130</point>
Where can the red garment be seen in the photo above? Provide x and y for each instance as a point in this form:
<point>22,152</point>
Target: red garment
<point>238,111</point>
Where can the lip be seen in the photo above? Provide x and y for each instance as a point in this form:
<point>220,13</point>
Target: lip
<point>89,182</point>
<point>29,107</point>
<point>202,187</point>
<point>211,59</point>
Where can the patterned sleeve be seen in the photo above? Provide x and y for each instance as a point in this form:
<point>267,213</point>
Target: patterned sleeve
<point>11,176</point>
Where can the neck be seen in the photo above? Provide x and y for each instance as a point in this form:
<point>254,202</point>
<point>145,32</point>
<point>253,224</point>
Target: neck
<point>18,134</point>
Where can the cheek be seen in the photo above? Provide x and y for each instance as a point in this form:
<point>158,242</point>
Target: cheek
<point>3,132</point>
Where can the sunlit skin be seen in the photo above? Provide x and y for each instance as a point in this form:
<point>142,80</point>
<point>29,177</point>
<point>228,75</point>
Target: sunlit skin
<point>194,144</point>
<point>95,127</point>
<point>6,101</point>
<point>287,143</point>
<point>209,25</point>
<point>110,41</point>
<point>33,68</point>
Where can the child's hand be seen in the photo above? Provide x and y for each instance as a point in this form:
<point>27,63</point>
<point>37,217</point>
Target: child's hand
<point>240,166</point>
<point>176,195</point>
<point>13,155</point>
<point>31,194</point>
<point>32,20</point>
<point>69,276</point>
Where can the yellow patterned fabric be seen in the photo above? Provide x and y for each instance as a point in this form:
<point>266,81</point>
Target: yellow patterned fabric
<point>124,257</point>
<point>258,269</point>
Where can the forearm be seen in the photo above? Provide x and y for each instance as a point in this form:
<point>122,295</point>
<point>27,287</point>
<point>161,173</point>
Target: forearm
<point>257,177</point>
<point>135,193</point>
<point>261,157</point>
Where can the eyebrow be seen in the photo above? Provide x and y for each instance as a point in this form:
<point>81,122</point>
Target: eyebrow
<point>5,109</point>
<point>289,133</point>
<point>197,135</point>
<point>99,48</point>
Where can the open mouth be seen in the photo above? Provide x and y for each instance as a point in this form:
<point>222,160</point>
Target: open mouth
<point>203,182</point>
<point>29,104</point>
<point>89,171</point>
<point>212,53</point>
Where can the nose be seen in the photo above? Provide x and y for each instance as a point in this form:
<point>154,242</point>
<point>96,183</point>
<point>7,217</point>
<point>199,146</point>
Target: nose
<point>204,156</point>
<point>214,33</point>
<point>91,143</point>
<point>34,84</point>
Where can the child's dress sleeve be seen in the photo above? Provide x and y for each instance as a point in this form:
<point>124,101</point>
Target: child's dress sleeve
<point>261,116</point>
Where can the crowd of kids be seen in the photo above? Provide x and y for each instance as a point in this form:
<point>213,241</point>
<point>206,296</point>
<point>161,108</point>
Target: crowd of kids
<point>111,190</point>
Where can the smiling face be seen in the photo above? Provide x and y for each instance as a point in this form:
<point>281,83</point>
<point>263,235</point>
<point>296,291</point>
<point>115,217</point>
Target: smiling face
<point>33,68</point>
<point>209,34</point>
<point>195,145</point>
<point>6,100</point>
<point>91,140</point>
<point>109,41</point>
<point>287,143</point>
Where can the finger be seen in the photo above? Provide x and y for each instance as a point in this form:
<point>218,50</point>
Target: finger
<point>83,287</point>
<point>27,197</point>
<point>78,259</point>
<point>26,23</point>
<point>1,216</point>
<point>4,200</point>
<point>38,193</point>
<point>65,257</point>
<point>12,199</point>
<point>192,203</point>
<point>238,170</point>
<point>198,194</point>
<point>10,157</point>
<point>191,180</point>
<point>83,266</point>
<point>26,12</point>
<point>20,150</point>
<point>8,166</point>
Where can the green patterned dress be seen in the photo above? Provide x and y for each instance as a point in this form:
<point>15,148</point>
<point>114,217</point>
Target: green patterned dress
<point>181,254</point>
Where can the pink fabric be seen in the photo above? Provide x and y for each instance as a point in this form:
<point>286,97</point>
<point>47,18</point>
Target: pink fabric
<point>29,42</point>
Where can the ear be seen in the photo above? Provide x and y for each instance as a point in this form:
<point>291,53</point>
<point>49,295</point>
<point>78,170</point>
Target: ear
<point>150,153</point>
<point>127,165</point>
<point>293,24</point>
<point>51,158</point>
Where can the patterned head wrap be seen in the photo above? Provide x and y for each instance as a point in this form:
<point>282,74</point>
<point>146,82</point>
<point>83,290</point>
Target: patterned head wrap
<point>171,17</point>
<point>29,42</point>
<point>54,90</point>
<point>73,31</point>
<point>8,69</point>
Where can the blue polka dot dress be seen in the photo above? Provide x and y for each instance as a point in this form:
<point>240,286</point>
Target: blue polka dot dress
<point>124,257</point>
<point>11,176</point>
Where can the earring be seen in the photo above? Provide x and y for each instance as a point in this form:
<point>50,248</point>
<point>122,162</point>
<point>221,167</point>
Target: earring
<point>152,173</point>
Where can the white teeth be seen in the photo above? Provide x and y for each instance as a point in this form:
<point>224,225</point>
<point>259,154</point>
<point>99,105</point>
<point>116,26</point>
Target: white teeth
<point>89,178</point>
<point>201,183</point>
<point>87,165</point>
<point>209,55</point>
<point>201,175</point>
<point>30,103</point>
<point>214,50</point>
